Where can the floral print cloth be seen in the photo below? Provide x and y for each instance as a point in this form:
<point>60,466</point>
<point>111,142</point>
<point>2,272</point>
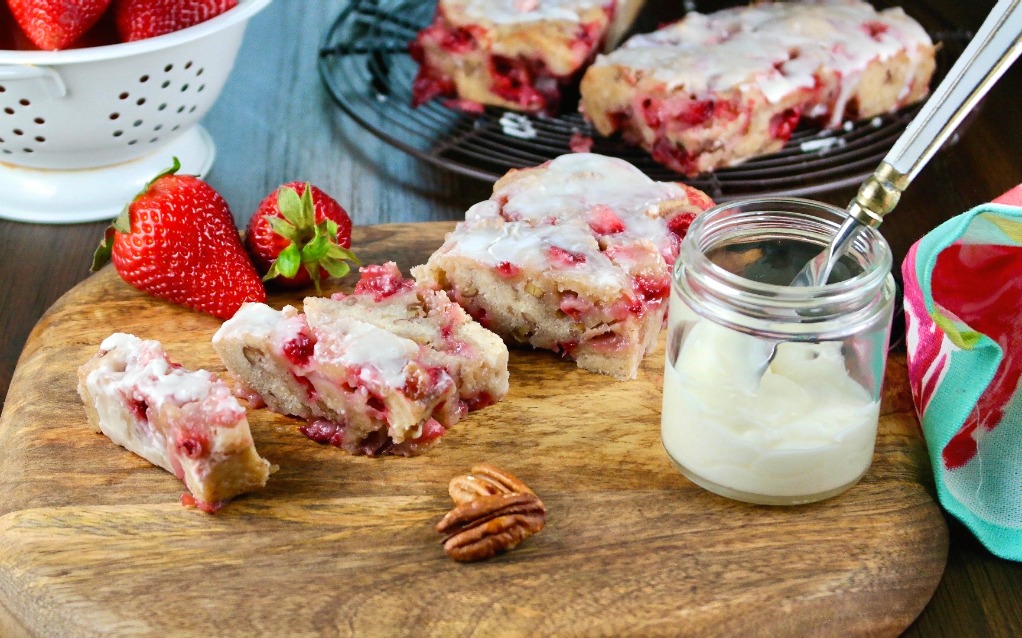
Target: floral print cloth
<point>963,312</point>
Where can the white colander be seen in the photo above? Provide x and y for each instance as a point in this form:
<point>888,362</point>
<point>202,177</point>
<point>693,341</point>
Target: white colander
<point>83,130</point>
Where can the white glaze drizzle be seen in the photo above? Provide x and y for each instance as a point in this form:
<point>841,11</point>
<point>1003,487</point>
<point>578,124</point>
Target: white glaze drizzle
<point>147,370</point>
<point>570,186</point>
<point>777,48</point>
<point>492,242</point>
<point>520,11</point>
<point>381,355</point>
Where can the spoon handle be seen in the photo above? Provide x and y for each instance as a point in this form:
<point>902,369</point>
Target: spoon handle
<point>996,45</point>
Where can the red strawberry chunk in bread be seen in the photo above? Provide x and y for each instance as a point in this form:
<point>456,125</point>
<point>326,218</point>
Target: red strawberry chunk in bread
<point>305,384</point>
<point>784,124</point>
<point>678,158</point>
<point>651,111</point>
<point>507,269</point>
<point>467,106</point>
<point>513,81</point>
<point>679,224</point>
<point>299,349</point>
<point>875,29</point>
<point>479,401</point>
<point>697,198</point>
<point>626,308</point>
<point>192,444</point>
<point>426,87</point>
<point>458,40</point>
<point>565,258</point>
<point>381,281</point>
<point>652,287</point>
<point>420,382</point>
<point>575,306</point>
<point>604,221</point>
<point>431,430</point>
<point>588,39</point>
<point>138,408</point>
<point>188,500</point>
<point>609,343</point>
<point>324,432</point>
<point>697,112</point>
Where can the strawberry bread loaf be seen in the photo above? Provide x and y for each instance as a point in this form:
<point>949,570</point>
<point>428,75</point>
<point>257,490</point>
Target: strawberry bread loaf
<point>573,256</point>
<point>187,422</point>
<point>713,90</point>
<point>385,370</point>
<point>515,54</point>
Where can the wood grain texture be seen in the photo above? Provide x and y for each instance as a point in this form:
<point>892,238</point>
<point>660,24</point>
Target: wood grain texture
<point>94,542</point>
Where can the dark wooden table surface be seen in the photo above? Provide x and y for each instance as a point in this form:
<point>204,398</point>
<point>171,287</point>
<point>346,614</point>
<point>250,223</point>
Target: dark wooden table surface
<point>275,123</point>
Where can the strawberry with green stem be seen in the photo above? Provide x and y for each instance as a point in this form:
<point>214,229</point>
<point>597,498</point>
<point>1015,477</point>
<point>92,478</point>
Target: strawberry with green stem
<point>300,235</point>
<point>177,240</point>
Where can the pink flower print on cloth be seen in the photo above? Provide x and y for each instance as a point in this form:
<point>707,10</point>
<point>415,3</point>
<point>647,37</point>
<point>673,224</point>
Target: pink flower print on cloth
<point>963,310</point>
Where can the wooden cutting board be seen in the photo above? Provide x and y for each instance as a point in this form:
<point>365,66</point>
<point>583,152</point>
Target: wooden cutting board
<point>93,540</point>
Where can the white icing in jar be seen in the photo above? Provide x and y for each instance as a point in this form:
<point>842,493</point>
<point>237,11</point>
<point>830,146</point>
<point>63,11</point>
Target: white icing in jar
<point>803,428</point>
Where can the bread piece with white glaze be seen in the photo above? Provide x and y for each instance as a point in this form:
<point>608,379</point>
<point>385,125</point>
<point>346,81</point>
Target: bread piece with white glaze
<point>714,90</point>
<point>516,54</point>
<point>186,422</point>
<point>572,256</point>
<point>385,370</point>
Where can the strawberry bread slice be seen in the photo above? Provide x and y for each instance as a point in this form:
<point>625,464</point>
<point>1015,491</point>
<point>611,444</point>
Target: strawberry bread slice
<point>714,90</point>
<point>572,256</point>
<point>516,54</point>
<point>474,357</point>
<point>187,422</point>
<point>363,381</point>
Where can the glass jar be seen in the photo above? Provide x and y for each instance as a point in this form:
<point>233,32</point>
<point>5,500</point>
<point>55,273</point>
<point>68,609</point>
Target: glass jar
<point>772,392</point>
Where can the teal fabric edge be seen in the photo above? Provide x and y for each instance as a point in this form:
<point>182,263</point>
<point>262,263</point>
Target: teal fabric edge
<point>940,426</point>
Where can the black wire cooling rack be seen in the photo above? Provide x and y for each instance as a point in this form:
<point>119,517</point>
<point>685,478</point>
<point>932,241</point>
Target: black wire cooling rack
<point>365,65</point>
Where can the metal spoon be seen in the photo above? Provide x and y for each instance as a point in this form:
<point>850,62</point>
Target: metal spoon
<point>996,45</point>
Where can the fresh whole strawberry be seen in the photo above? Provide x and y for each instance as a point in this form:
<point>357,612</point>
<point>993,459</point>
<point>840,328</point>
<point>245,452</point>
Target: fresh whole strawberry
<point>56,24</point>
<point>141,19</point>
<point>299,235</point>
<point>177,240</point>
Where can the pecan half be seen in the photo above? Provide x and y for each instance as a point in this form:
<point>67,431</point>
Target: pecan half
<point>494,513</point>
<point>485,480</point>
